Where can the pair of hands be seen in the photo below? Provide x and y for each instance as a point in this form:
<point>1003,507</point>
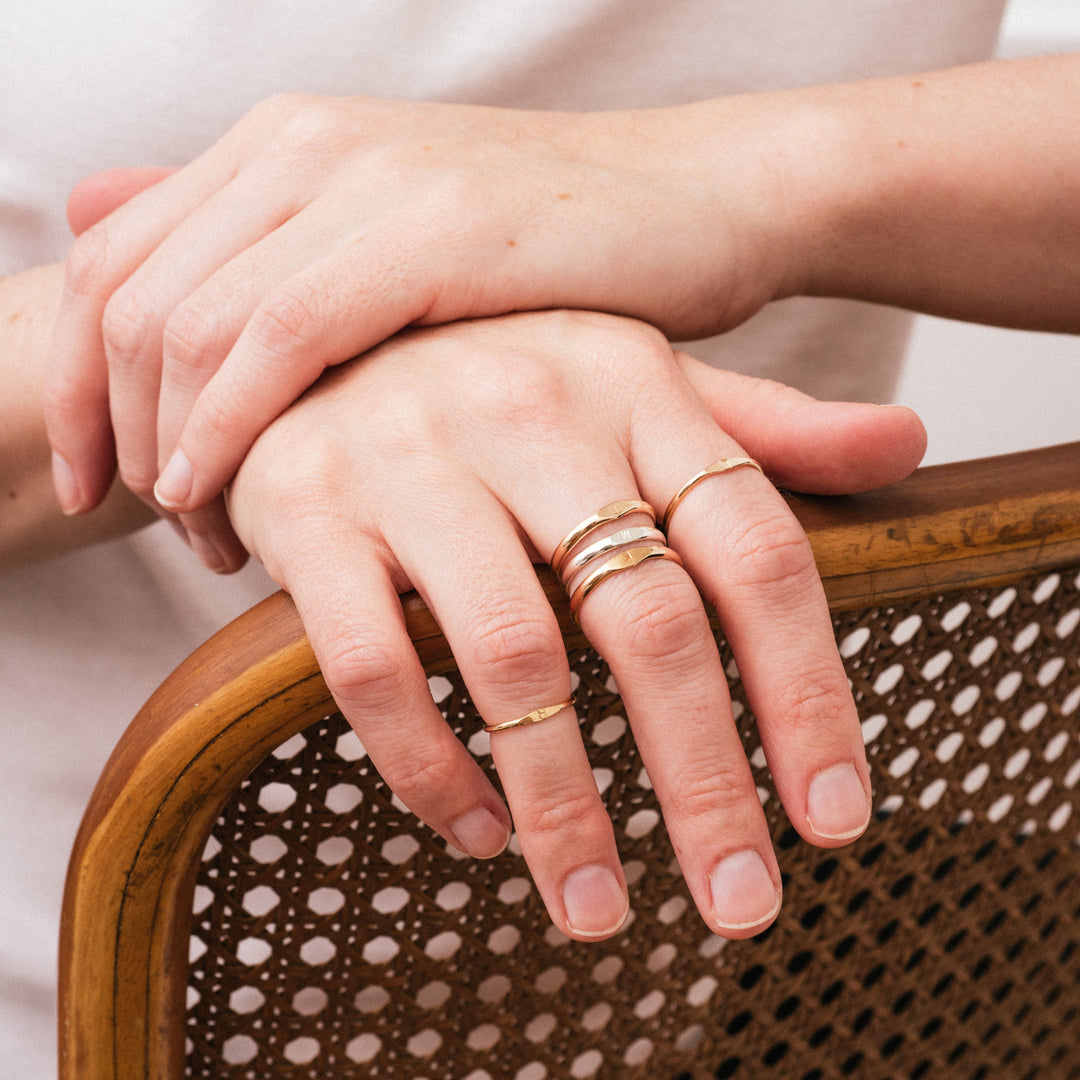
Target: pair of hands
<point>450,459</point>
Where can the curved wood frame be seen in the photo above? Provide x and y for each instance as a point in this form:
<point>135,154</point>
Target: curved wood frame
<point>127,905</point>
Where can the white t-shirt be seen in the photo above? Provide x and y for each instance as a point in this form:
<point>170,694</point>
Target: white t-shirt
<point>85,86</point>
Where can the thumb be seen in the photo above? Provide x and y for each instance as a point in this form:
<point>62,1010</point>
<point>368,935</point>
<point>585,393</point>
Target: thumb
<point>806,445</point>
<point>100,194</point>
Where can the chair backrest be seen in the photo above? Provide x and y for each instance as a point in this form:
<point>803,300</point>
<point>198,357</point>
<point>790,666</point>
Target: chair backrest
<point>246,898</point>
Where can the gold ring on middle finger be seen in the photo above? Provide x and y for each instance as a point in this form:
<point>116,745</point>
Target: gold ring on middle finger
<point>621,538</point>
<point>611,512</point>
<point>624,560</point>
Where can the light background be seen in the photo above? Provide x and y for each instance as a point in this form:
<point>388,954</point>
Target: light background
<point>982,390</point>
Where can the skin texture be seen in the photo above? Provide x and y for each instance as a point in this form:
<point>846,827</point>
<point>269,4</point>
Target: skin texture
<point>449,460</point>
<point>318,227</point>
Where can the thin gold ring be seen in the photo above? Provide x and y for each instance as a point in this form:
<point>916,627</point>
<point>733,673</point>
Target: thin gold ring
<point>721,466</point>
<point>533,717</point>
<point>609,543</point>
<point>625,560</point>
<point>611,512</point>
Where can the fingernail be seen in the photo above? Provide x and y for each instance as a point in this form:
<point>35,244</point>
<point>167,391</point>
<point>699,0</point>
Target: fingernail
<point>743,892</point>
<point>837,805</point>
<point>480,833</point>
<point>595,901</point>
<point>174,484</point>
<point>68,494</point>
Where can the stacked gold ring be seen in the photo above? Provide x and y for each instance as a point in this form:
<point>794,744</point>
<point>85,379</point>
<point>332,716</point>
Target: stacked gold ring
<point>625,560</point>
<point>611,542</point>
<point>620,550</point>
<point>611,512</point>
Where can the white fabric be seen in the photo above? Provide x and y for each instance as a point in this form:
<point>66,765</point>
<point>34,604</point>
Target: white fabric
<point>85,86</point>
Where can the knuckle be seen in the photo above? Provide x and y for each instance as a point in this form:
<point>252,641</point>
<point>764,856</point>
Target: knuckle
<point>416,779</point>
<point>512,648</point>
<point>519,390</point>
<point>88,264</point>
<point>191,339</point>
<point>308,479</point>
<point>63,402</point>
<point>709,791</point>
<point>664,620</point>
<point>217,418</point>
<point>555,814</point>
<point>136,475</point>
<point>127,326</point>
<point>308,125</point>
<point>277,108</point>
<point>771,550</point>
<point>814,702</point>
<point>365,672</point>
<point>286,322</point>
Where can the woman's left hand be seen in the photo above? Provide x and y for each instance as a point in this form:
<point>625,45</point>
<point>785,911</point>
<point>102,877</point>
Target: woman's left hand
<point>449,460</point>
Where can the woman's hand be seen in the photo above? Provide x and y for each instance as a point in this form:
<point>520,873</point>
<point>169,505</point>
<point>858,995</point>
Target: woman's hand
<point>319,227</point>
<point>449,460</point>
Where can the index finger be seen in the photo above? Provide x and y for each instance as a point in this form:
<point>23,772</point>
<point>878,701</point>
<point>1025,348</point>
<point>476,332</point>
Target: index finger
<point>749,556</point>
<point>104,256</point>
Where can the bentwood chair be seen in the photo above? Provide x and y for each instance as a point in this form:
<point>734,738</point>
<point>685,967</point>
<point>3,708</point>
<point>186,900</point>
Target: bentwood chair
<point>246,898</point>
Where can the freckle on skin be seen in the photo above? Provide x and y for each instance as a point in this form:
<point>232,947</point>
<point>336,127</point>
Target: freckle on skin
<point>511,243</point>
<point>918,84</point>
<point>566,195</point>
<point>901,143</point>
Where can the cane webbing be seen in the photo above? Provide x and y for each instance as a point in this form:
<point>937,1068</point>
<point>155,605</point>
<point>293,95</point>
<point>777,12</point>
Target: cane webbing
<point>336,937</point>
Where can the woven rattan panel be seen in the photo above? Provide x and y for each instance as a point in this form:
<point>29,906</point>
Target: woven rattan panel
<point>334,937</point>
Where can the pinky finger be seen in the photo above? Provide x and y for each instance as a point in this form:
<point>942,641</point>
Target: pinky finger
<point>358,633</point>
<point>76,408</point>
<point>211,536</point>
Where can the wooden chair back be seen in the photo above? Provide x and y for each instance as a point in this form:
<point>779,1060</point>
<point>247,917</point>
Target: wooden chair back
<point>247,899</point>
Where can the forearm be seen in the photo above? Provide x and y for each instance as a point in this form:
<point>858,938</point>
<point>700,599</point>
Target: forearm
<point>955,193</point>
<point>31,524</point>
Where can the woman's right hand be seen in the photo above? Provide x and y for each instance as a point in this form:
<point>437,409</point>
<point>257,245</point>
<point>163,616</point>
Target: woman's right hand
<point>205,303</point>
<point>449,460</point>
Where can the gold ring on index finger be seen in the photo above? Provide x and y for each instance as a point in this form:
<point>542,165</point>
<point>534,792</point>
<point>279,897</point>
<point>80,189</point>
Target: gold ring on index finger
<point>721,466</point>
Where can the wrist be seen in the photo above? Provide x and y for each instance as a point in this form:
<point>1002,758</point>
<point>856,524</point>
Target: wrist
<point>763,159</point>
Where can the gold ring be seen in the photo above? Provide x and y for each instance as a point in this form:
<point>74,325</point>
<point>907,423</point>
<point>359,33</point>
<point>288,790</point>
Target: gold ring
<point>533,717</point>
<point>625,560</point>
<point>611,512</point>
<point>721,466</point>
<point>621,538</point>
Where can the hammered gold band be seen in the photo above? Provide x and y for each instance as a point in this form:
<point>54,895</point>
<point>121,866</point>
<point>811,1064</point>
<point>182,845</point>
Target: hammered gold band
<point>721,466</point>
<point>611,512</point>
<point>625,560</point>
<point>533,717</point>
